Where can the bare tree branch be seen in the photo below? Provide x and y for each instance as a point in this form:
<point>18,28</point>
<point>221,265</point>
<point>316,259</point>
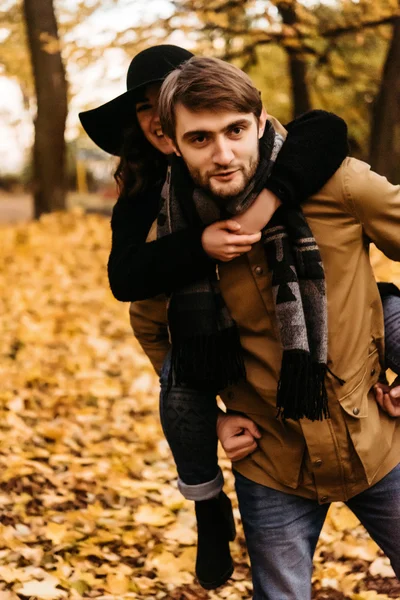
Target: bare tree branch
<point>334,32</point>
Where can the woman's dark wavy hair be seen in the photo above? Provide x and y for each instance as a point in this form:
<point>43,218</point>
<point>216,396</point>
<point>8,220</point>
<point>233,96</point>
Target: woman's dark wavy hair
<point>141,166</point>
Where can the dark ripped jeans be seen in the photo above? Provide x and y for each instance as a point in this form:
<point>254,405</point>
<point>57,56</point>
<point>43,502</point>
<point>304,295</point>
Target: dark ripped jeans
<point>189,421</point>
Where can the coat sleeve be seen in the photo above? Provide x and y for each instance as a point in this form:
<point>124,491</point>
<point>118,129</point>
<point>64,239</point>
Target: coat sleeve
<point>314,149</point>
<point>375,203</point>
<point>138,270</point>
<point>149,323</point>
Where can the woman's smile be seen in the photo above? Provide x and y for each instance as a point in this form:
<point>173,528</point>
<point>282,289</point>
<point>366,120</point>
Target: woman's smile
<point>149,120</point>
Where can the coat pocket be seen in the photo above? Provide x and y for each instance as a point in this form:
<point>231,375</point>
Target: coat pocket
<point>371,429</point>
<point>353,395</point>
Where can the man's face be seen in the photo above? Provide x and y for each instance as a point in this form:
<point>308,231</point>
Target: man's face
<point>220,149</point>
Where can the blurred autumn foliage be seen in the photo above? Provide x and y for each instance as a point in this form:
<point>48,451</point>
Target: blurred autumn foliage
<point>88,499</point>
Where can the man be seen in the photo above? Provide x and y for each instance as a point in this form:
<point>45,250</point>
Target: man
<point>330,440</point>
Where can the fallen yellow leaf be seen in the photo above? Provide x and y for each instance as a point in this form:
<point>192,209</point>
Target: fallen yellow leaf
<point>153,515</point>
<point>41,589</point>
<point>117,584</point>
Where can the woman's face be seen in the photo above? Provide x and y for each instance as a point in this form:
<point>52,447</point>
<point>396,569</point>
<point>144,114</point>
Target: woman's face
<point>149,120</point>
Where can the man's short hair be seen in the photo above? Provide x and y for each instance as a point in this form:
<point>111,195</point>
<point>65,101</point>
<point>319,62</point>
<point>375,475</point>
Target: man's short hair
<point>206,84</point>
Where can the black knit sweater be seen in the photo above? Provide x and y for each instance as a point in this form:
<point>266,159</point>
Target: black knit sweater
<point>315,147</point>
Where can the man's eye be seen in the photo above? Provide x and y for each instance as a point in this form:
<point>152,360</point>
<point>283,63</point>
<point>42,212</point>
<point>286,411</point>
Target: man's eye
<point>200,139</point>
<point>237,130</point>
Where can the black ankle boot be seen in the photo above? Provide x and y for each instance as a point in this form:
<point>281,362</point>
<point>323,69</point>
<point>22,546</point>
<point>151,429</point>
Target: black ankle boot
<point>215,529</point>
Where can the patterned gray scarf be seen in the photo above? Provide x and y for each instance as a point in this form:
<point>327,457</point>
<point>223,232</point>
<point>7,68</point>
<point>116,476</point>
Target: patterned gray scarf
<point>206,350</point>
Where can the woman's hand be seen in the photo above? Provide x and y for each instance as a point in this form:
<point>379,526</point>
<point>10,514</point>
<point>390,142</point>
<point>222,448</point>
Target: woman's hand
<point>237,435</point>
<point>224,240</point>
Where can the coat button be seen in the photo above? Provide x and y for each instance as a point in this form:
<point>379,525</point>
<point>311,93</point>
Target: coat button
<point>323,498</point>
<point>318,462</point>
<point>356,411</point>
<point>373,372</point>
<point>258,270</point>
<point>230,395</point>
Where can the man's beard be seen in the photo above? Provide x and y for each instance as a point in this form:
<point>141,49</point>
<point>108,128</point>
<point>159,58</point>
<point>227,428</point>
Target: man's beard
<point>224,191</point>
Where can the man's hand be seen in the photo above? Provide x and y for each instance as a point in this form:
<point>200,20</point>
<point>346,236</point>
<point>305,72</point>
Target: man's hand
<point>388,397</point>
<point>237,435</point>
<point>223,241</point>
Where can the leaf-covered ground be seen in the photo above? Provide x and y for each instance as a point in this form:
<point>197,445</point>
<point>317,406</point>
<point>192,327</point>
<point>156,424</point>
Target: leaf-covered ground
<point>88,500</point>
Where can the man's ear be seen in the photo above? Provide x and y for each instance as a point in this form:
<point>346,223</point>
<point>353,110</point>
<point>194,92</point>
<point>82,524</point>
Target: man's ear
<point>176,150</point>
<point>261,122</point>
<point>175,147</point>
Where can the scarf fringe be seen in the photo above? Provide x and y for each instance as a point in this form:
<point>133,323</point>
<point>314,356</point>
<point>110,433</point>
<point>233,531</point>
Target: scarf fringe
<point>207,362</point>
<point>301,388</point>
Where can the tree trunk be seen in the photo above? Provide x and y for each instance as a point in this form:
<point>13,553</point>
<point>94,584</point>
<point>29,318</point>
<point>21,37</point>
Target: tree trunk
<point>51,95</point>
<point>297,64</point>
<point>298,76</point>
<point>385,130</point>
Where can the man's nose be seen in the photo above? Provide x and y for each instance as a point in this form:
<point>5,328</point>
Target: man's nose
<point>223,154</point>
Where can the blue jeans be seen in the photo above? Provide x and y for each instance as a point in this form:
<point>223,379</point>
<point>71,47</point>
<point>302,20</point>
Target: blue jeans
<point>391,311</point>
<point>282,531</point>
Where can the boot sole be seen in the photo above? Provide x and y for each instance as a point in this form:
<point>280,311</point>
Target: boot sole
<point>207,585</point>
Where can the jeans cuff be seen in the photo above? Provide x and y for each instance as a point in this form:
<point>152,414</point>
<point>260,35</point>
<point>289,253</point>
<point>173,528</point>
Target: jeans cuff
<point>202,491</point>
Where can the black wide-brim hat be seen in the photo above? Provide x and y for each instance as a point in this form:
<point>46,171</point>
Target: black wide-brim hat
<point>105,125</point>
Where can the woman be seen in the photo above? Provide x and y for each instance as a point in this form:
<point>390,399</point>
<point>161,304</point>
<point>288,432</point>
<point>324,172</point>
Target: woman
<point>129,127</point>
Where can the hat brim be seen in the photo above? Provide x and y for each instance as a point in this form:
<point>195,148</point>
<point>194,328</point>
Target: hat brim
<point>105,125</point>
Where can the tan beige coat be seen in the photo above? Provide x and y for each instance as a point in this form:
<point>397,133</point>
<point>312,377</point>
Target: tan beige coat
<point>338,457</point>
